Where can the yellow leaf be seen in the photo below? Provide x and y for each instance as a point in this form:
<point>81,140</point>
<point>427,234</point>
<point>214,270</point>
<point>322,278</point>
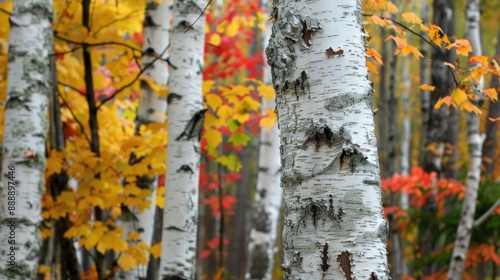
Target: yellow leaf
<point>43,269</point>
<point>155,250</point>
<point>427,87</point>
<point>207,86</point>
<point>371,67</point>
<point>437,35</point>
<point>213,137</point>
<point>127,262</point>
<point>266,91</point>
<point>232,29</point>
<point>411,18</point>
<point>469,107</point>
<point>133,236</point>
<point>270,120</point>
<point>215,39</point>
<point>90,240</point>
<point>250,103</point>
<point>213,100</point>
<point>445,100</point>
<point>491,93</point>
<point>46,233</point>
<point>224,112</point>
<point>459,95</point>
<point>115,212</point>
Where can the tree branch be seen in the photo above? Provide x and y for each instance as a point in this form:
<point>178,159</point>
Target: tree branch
<point>434,46</point>
<point>71,87</point>
<point>486,214</point>
<point>202,12</point>
<point>75,118</point>
<point>134,80</point>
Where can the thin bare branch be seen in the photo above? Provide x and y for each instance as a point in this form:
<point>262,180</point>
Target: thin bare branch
<point>486,214</point>
<point>75,118</point>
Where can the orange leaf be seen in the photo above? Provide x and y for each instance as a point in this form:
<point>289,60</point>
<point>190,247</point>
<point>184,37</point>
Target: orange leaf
<point>427,87</point>
<point>463,46</point>
<point>479,59</point>
<point>491,93</point>
<point>377,20</point>
<point>375,55</point>
<point>446,100</point>
<point>469,107</point>
<point>497,119</point>
<point>371,67</point>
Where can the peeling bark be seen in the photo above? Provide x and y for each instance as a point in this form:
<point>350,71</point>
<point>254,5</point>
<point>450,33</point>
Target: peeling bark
<point>330,179</point>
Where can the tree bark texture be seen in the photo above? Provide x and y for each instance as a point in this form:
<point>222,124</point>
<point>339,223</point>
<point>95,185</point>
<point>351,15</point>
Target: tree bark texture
<point>474,143</point>
<point>25,130</point>
<point>334,227</point>
<point>185,118</point>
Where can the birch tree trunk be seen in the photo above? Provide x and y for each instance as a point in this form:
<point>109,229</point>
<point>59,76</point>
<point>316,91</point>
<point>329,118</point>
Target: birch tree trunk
<point>25,130</point>
<point>185,118</point>
<point>267,203</point>
<point>151,107</point>
<point>334,227</point>
<point>474,143</point>
<point>490,143</point>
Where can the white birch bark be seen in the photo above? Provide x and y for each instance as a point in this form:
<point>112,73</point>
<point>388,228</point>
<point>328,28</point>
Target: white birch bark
<point>267,203</point>
<point>156,41</point>
<point>474,143</point>
<point>185,118</point>
<point>25,130</point>
<point>334,227</point>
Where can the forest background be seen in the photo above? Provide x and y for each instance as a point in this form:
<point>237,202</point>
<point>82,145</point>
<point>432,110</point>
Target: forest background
<point>83,227</point>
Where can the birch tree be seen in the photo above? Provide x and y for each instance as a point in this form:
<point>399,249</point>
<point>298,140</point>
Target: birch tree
<point>474,143</point>
<point>25,129</point>
<point>333,222</point>
<point>185,118</point>
<point>267,203</point>
<point>151,108</point>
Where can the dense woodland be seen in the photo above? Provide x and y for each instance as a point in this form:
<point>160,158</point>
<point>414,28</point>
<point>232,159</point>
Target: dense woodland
<point>249,139</point>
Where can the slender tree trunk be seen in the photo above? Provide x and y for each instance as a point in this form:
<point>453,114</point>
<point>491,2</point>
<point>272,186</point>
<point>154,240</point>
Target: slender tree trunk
<point>382,103</point>
<point>25,129</point>
<point>185,118</point>
<point>474,143</point>
<point>151,107</point>
<point>334,227</point>
<point>490,143</point>
<point>392,163</point>
<point>267,202</point>
<point>437,127</point>
<point>425,104</point>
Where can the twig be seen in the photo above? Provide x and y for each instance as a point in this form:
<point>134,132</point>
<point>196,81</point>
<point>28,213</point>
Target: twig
<point>425,40</point>
<point>133,81</point>
<point>75,118</point>
<point>486,214</point>
<point>71,87</point>
<point>208,4</point>
<point>5,11</point>
<point>116,20</point>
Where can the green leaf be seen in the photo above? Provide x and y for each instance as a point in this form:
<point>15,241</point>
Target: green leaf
<point>232,162</point>
<point>239,139</point>
<point>233,125</point>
